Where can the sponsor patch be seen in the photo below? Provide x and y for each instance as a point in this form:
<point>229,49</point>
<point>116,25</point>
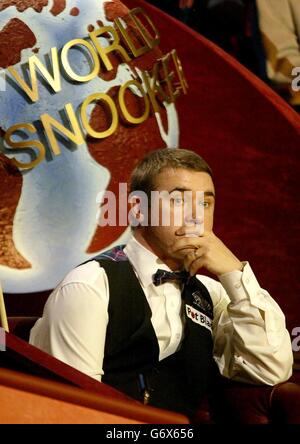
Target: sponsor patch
<point>198,317</point>
<point>202,304</point>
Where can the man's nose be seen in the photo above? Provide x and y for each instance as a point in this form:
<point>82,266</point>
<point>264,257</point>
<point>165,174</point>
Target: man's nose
<point>194,214</point>
<point>193,220</point>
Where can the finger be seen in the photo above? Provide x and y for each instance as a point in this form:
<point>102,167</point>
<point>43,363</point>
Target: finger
<point>197,265</point>
<point>193,257</point>
<point>188,243</point>
<point>198,262</point>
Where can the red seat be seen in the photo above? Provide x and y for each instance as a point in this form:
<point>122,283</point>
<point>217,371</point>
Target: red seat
<point>21,325</point>
<point>232,401</point>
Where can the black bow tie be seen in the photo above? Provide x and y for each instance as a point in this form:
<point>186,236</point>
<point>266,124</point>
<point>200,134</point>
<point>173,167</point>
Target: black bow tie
<point>162,276</point>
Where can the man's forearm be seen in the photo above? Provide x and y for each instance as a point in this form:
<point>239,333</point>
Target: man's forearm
<point>251,340</point>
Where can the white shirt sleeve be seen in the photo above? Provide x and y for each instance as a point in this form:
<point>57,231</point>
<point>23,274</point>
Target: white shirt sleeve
<point>74,322</point>
<point>251,343</point>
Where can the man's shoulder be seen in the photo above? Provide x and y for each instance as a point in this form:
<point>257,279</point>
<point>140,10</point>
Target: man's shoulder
<point>115,254</point>
<point>90,271</point>
<point>86,273</point>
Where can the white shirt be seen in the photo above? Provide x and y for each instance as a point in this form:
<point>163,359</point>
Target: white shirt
<point>251,343</point>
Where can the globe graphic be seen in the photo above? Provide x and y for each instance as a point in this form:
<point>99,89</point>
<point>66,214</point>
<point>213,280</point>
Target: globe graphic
<point>48,220</point>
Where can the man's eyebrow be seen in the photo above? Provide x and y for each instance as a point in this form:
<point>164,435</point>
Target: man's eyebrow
<point>209,193</point>
<point>179,189</point>
<point>182,189</point>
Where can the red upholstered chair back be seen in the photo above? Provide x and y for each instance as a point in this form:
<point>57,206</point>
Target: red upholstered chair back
<point>21,325</point>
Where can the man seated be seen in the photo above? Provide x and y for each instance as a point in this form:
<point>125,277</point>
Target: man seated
<point>142,319</point>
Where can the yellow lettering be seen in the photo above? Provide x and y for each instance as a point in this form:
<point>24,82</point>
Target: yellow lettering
<point>53,80</point>
<point>151,90</point>
<point>75,136</point>
<point>126,114</point>
<point>114,47</point>
<point>66,64</point>
<point>162,84</point>
<point>136,52</point>
<point>26,145</point>
<point>114,115</point>
<point>153,87</point>
<point>151,41</point>
<point>179,70</point>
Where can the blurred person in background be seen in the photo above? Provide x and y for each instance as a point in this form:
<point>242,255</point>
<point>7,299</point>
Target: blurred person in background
<point>263,35</point>
<point>279,24</point>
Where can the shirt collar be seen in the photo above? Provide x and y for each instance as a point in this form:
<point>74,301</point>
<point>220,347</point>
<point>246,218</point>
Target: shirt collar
<point>143,261</point>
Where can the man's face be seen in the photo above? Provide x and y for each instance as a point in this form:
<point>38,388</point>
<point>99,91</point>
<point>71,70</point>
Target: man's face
<point>189,190</point>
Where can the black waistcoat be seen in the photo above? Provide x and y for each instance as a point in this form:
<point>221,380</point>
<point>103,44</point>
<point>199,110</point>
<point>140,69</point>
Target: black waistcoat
<point>131,347</point>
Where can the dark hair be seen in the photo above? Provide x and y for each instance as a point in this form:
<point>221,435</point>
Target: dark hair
<point>143,176</point>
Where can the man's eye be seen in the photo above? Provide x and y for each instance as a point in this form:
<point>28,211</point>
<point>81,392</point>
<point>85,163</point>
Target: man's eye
<point>178,200</point>
<point>204,204</point>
